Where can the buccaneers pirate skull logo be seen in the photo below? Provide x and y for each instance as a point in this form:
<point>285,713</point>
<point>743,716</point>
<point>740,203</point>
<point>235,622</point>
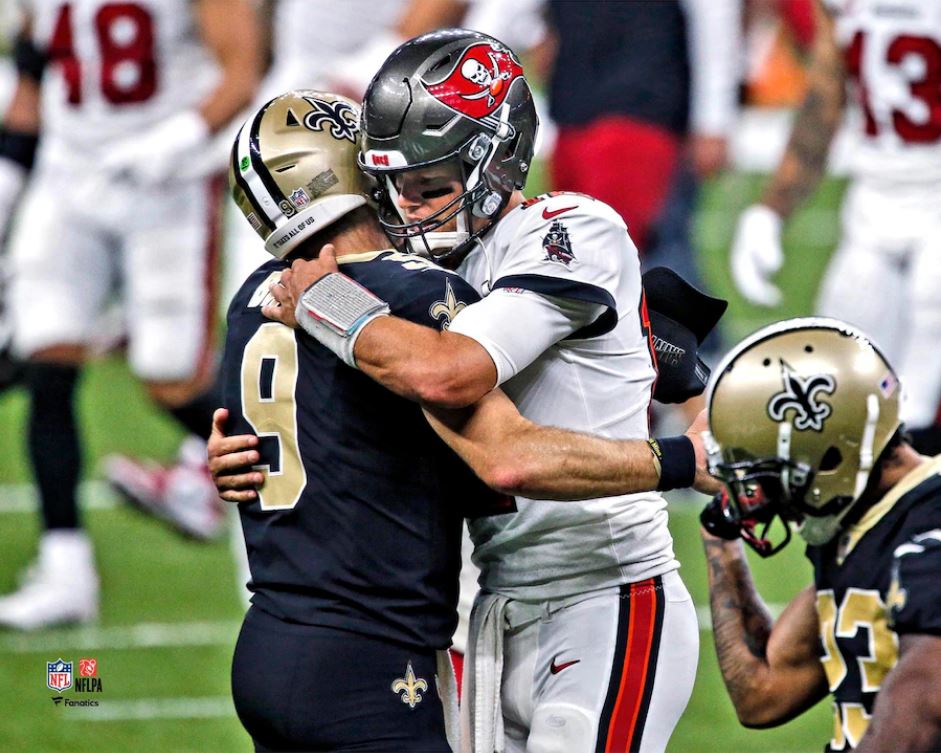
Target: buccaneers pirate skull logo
<point>478,83</point>
<point>801,395</point>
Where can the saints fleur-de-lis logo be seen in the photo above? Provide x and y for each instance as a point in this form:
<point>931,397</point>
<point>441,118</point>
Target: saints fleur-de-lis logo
<point>801,395</point>
<point>410,687</point>
<point>338,116</point>
<point>446,310</point>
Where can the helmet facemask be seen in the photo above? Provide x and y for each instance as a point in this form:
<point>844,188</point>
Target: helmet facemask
<point>481,196</point>
<point>799,414</point>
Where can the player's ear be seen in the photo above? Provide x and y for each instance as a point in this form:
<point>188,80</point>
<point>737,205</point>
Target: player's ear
<point>680,318</point>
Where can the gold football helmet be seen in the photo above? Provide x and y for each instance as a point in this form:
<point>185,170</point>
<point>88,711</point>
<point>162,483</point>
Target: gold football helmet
<point>293,169</point>
<point>799,413</point>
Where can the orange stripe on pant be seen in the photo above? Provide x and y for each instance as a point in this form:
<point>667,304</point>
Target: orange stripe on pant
<point>637,661</point>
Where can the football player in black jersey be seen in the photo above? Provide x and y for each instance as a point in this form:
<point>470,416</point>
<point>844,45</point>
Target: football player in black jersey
<point>354,571</point>
<point>804,432</point>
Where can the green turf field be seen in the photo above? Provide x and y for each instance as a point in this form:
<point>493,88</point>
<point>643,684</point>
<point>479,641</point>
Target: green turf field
<point>171,609</point>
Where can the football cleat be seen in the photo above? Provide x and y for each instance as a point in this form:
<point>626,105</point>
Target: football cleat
<point>60,588</point>
<point>182,495</point>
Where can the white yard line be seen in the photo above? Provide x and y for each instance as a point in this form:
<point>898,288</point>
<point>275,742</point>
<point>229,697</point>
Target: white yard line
<point>22,498</point>
<point>152,708</point>
<point>141,635</point>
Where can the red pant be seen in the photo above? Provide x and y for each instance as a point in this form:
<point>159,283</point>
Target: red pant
<point>623,162</point>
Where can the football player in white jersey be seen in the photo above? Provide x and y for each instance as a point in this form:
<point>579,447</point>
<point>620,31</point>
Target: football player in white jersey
<point>582,615</point>
<point>130,97</point>
<point>881,60</point>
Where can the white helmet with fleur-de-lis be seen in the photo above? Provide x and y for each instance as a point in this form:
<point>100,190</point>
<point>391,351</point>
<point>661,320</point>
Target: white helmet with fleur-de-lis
<point>293,170</point>
<point>799,413</point>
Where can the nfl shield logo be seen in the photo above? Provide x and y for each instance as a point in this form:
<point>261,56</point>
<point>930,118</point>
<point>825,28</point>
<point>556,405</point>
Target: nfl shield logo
<point>59,675</point>
<point>300,199</point>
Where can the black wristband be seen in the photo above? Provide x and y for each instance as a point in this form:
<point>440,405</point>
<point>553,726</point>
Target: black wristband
<point>29,59</point>
<point>19,147</point>
<point>677,462</point>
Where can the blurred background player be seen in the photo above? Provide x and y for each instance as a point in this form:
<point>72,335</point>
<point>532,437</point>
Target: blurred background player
<point>129,99</point>
<point>804,418</point>
<point>885,58</point>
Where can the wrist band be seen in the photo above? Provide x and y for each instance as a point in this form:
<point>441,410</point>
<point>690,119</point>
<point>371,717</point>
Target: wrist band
<point>676,461</point>
<point>334,310</point>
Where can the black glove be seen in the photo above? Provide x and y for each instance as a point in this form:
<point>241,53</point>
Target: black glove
<point>715,519</point>
<point>680,318</point>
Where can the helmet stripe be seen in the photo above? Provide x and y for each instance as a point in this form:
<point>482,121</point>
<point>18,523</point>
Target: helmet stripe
<point>243,185</point>
<point>258,162</point>
<point>248,170</point>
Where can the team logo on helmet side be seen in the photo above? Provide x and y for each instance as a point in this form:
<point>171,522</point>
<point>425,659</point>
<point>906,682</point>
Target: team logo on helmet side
<point>479,81</point>
<point>557,245</point>
<point>801,395</point>
<point>338,116</point>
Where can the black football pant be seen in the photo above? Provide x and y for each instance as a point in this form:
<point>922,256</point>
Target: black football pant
<point>311,688</point>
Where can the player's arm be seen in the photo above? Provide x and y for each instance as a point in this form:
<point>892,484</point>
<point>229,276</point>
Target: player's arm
<point>805,157</point>
<point>515,456</point>
<point>19,125</point>
<point>907,714</point>
<point>232,33</point>
<point>770,667</point>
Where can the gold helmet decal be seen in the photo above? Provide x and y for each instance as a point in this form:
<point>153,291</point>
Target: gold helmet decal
<point>293,170</point>
<point>799,413</point>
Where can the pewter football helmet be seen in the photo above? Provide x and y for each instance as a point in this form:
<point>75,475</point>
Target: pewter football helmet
<point>457,97</point>
<point>293,170</point>
<point>799,413</point>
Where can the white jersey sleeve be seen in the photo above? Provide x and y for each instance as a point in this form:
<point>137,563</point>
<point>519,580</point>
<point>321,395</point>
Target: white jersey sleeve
<point>539,322</point>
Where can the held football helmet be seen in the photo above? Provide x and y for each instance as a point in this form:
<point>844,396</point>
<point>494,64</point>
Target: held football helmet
<point>293,169</point>
<point>799,413</point>
<point>457,97</point>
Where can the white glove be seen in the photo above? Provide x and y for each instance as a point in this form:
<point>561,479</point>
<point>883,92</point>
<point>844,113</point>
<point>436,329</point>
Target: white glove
<point>160,153</point>
<point>757,255</point>
<point>12,178</point>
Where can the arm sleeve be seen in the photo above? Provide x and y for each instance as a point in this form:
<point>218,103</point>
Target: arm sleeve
<point>714,44</point>
<point>515,326</point>
<point>914,598</point>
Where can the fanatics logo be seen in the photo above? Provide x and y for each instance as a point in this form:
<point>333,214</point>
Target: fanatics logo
<point>557,245</point>
<point>409,687</point>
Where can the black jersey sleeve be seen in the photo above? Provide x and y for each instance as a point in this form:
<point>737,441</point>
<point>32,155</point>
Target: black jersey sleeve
<point>415,288</point>
<point>914,598</point>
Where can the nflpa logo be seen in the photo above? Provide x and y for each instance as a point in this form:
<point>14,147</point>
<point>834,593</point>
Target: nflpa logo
<point>88,667</point>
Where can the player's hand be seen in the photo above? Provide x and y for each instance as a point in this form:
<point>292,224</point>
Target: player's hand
<point>703,482</point>
<point>230,461</point>
<point>161,152</point>
<point>283,310</point>
<point>757,255</point>
<point>709,154</point>
<point>294,281</point>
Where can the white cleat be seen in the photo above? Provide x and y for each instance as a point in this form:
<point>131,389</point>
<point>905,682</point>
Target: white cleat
<point>181,495</point>
<point>60,588</point>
